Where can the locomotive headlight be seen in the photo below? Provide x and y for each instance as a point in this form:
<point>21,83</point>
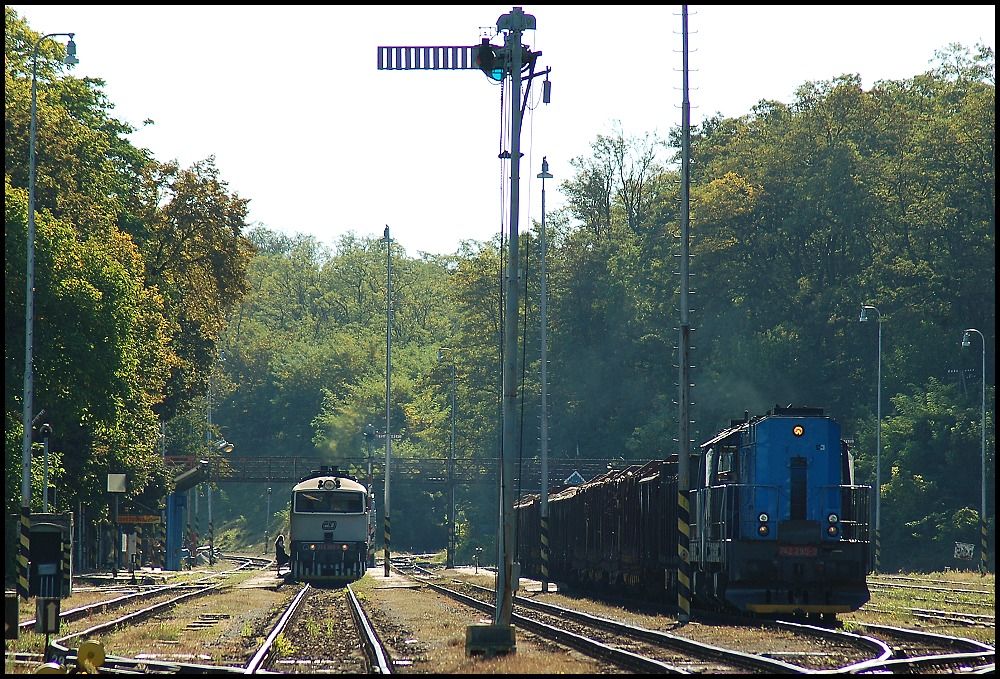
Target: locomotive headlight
<point>328,484</point>
<point>344,547</point>
<point>312,548</point>
<point>833,518</point>
<point>798,430</point>
<point>763,518</point>
<point>763,530</point>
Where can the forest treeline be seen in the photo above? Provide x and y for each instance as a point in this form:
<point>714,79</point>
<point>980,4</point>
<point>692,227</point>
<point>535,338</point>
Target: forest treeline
<point>156,303</point>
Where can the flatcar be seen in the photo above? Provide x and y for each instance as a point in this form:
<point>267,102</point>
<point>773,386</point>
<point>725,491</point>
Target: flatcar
<point>777,524</point>
<point>330,531</point>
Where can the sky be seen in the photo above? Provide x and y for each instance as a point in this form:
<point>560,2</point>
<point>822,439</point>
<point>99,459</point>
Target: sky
<point>290,103</point>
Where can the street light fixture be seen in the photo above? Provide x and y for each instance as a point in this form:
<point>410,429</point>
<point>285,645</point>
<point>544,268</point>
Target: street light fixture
<point>878,431</point>
<point>450,561</point>
<point>29,311</point>
<point>982,457</point>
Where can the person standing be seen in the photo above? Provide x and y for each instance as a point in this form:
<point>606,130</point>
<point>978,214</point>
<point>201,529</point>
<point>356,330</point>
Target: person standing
<point>279,551</point>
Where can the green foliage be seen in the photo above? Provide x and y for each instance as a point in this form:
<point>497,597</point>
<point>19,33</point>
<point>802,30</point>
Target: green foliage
<point>136,267</point>
<point>150,290</point>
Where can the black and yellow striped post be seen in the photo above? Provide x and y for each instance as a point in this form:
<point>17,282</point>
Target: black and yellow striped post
<point>683,357</point>
<point>66,567</point>
<point>982,545</point>
<point>684,558</point>
<point>161,544</point>
<point>23,553</point>
<point>197,528</point>
<point>878,549</point>
<point>544,535</point>
<point>385,558</point>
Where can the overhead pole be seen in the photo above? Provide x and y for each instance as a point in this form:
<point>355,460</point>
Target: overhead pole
<point>388,393</point>
<point>684,396</point>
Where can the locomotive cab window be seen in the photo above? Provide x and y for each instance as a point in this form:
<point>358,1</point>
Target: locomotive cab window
<point>329,502</point>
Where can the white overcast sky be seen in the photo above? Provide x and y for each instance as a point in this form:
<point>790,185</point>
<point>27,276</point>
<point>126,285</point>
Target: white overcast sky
<point>289,101</point>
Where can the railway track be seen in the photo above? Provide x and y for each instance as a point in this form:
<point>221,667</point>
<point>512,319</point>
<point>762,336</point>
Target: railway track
<point>80,649</point>
<point>306,647</point>
<point>917,651</point>
<point>903,650</point>
<point>284,647</point>
<point>627,646</point>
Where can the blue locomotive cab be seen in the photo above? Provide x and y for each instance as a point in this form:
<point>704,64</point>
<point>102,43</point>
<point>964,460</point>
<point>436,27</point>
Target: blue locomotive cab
<point>779,526</point>
<point>794,491</point>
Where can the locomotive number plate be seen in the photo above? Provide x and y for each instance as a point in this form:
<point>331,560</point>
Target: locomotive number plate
<point>793,550</point>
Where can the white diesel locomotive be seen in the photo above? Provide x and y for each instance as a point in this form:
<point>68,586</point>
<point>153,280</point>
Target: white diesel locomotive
<point>330,528</point>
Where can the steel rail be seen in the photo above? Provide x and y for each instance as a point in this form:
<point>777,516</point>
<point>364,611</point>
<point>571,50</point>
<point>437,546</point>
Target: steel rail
<point>664,639</point>
<point>263,654</point>
<point>374,650</point>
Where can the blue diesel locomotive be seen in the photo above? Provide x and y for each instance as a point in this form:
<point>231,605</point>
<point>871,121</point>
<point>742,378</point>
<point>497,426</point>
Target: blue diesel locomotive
<point>776,522</point>
<point>330,528</point>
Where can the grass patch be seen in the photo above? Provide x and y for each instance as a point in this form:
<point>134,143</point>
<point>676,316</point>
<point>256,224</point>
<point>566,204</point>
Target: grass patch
<point>163,631</point>
<point>283,647</point>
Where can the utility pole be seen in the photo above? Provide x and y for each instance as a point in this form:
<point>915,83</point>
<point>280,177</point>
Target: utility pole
<point>388,391</point>
<point>684,435</point>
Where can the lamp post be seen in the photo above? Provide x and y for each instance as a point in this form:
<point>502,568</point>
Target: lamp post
<point>29,317</point>
<point>544,523</point>
<point>450,561</point>
<point>267,521</point>
<point>982,457</point>
<point>221,446</point>
<point>878,431</point>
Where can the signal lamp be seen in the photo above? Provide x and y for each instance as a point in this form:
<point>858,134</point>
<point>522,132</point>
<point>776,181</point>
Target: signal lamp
<point>763,530</point>
<point>832,530</point>
<point>487,59</point>
<point>763,518</point>
<point>833,518</point>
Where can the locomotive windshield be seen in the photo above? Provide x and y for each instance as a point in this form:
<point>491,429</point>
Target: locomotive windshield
<point>329,502</point>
